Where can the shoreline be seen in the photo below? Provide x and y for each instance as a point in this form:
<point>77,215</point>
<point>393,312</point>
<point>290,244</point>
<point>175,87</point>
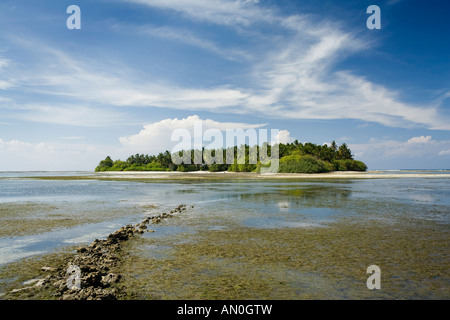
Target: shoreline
<point>252,175</point>
<point>223,175</point>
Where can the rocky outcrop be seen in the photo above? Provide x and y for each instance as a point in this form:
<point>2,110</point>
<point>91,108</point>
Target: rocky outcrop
<point>90,276</point>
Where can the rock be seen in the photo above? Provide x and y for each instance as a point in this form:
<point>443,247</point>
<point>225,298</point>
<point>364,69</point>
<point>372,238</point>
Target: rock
<point>41,282</point>
<point>68,296</point>
<point>82,249</point>
<point>60,284</point>
<point>32,281</point>
<point>95,262</point>
<point>90,294</point>
<point>120,235</point>
<point>110,278</point>
<point>92,279</point>
<point>45,268</point>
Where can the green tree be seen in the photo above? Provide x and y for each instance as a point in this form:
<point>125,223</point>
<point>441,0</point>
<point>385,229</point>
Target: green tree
<point>333,146</point>
<point>344,152</point>
<point>303,164</point>
<point>105,164</point>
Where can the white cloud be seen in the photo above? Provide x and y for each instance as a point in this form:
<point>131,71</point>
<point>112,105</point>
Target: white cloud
<point>13,144</point>
<point>444,152</point>
<point>415,148</point>
<point>421,139</point>
<point>75,155</point>
<point>284,136</point>
<point>25,156</point>
<point>156,137</point>
<point>299,83</point>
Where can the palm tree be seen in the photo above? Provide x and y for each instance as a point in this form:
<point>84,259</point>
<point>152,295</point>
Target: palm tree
<point>344,152</point>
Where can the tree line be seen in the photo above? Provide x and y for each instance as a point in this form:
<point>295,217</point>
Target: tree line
<point>293,157</point>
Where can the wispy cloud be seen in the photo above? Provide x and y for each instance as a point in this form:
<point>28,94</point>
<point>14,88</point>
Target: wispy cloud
<point>300,80</point>
<point>5,83</point>
<point>3,63</point>
<point>184,36</point>
<point>88,81</point>
<point>72,138</point>
<point>73,115</point>
<point>422,147</point>
<point>297,77</point>
<point>224,12</point>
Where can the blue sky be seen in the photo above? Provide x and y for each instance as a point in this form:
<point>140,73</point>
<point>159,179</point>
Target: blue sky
<point>139,69</point>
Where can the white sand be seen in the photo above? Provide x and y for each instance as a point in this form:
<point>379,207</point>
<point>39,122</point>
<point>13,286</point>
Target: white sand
<point>251,175</point>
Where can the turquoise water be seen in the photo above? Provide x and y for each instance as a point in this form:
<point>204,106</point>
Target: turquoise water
<point>217,204</point>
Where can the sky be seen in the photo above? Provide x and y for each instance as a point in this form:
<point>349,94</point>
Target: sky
<point>137,70</point>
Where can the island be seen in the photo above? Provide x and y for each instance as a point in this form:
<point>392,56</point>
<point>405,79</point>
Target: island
<point>293,157</point>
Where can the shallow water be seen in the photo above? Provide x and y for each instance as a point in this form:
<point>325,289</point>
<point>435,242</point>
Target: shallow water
<point>218,203</point>
<point>258,204</point>
<point>220,211</point>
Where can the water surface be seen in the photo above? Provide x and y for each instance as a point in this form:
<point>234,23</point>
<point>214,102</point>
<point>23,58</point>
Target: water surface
<point>250,203</point>
<point>218,210</point>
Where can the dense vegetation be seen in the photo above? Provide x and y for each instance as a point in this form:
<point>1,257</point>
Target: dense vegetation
<point>294,158</point>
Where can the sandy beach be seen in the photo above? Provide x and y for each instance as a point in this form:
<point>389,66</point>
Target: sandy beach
<point>252,175</point>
